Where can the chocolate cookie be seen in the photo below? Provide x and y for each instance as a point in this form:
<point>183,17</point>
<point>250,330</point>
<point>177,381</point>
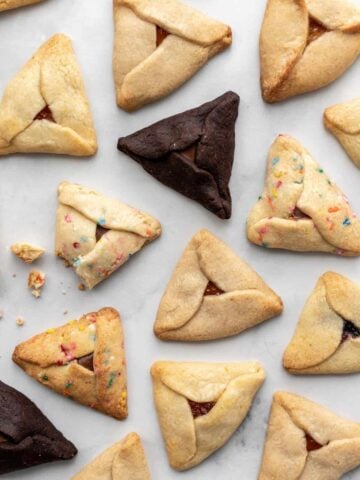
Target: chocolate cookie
<point>27,437</point>
<point>192,152</point>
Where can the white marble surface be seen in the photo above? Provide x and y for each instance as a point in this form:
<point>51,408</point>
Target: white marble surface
<point>27,212</point>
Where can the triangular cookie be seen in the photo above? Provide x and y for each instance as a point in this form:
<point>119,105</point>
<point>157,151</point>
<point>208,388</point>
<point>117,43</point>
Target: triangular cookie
<point>83,360</point>
<point>343,121</point>
<point>27,437</point>
<point>306,441</point>
<point>96,234</point>
<point>123,461</point>
<point>10,4</point>
<point>301,209</point>
<point>327,337</point>
<point>192,152</point>
<point>306,44</point>
<point>213,294</point>
<point>200,405</point>
<point>44,108</point>
<point>159,45</point>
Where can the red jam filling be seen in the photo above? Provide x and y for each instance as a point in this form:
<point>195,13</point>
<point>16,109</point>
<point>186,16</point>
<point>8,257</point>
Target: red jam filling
<point>87,361</point>
<point>161,34</point>
<point>45,114</point>
<point>316,30</point>
<point>100,231</point>
<point>312,444</point>
<point>200,409</point>
<point>212,289</point>
<point>297,214</point>
<point>349,331</point>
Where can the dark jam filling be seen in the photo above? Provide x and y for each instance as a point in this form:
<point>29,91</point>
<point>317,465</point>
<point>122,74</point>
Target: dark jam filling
<point>190,153</point>
<point>3,439</point>
<point>212,289</point>
<point>297,214</point>
<point>200,409</point>
<point>161,34</point>
<point>349,331</point>
<point>100,231</point>
<point>316,30</point>
<point>87,361</point>
<point>312,444</point>
<point>45,114</point>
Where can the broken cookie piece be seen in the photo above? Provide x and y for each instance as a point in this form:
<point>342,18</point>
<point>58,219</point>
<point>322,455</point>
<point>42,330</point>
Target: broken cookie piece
<point>27,252</point>
<point>36,281</point>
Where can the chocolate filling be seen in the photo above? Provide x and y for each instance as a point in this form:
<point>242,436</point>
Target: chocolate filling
<point>298,214</point>
<point>312,444</point>
<point>100,231</point>
<point>45,114</point>
<point>349,331</point>
<point>316,30</point>
<point>190,152</point>
<point>200,409</point>
<point>212,289</point>
<point>87,361</point>
<point>161,34</point>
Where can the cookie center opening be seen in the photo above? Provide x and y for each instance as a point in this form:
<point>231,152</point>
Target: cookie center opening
<point>190,152</point>
<point>3,439</point>
<point>161,34</point>
<point>298,214</point>
<point>316,30</point>
<point>200,409</point>
<point>87,361</point>
<point>100,231</point>
<point>312,444</point>
<point>349,331</point>
<point>45,114</point>
<point>212,289</point>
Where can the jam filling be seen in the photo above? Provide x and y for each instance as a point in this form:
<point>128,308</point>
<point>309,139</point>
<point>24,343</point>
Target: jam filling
<point>316,30</point>
<point>87,361</point>
<point>161,34</point>
<point>45,114</point>
<point>312,444</point>
<point>297,214</point>
<point>349,331</point>
<point>200,409</point>
<point>100,231</point>
<point>212,289</point>
<point>190,152</point>
<point>3,439</point>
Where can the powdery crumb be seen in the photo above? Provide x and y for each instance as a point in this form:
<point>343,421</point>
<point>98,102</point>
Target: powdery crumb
<point>36,281</point>
<point>27,252</point>
<point>20,321</point>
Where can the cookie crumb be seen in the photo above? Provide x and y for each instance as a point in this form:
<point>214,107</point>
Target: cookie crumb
<point>82,287</point>
<point>66,312</point>
<point>14,275</point>
<point>27,252</point>
<point>20,321</point>
<point>1,313</point>
<point>36,281</point>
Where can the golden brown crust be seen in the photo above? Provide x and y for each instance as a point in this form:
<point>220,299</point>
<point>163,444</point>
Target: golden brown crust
<point>10,4</point>
<point>229,388</point>
<point>301,209</point>
<point>125,231</point>
<point>125,460</point>
<point>51,80</point>
<point>186,313</point>
<point>287,456</point>
<point>290,63</point>
<point>52,358</point>
<point>145,72</point>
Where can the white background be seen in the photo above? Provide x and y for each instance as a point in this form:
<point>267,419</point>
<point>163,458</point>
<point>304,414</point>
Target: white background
<point>28,186</point>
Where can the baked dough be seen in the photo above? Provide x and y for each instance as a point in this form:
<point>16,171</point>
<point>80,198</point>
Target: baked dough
<point>83,359</point>
<point>301,209</point>
<point>96,234</point>
<point>44,108</point>
<point>123,461</point>
<point>213,294</point>
<point>192,152</point>
<point>306,44</point>
<point>327,337</point>
<point>200,405</point>
<point>159,45</point>
<point>10,4</point>
<point>27,252</point>
<point>343,121</point>
<point>306,441</point>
